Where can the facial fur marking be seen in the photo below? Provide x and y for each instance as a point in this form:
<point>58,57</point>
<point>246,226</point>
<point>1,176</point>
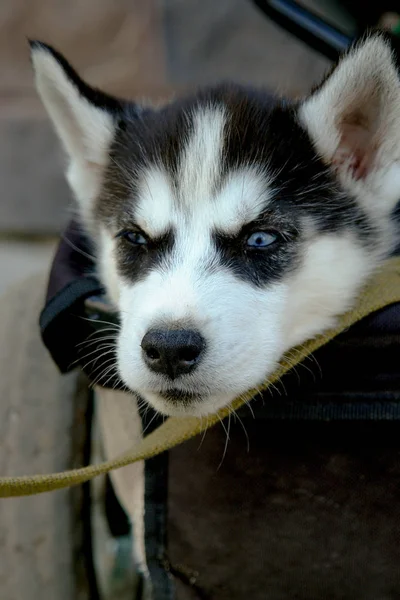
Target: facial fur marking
<point>136,261</point>
<point>154,207</point>
<point>200,162</point>
<point>255,222</point>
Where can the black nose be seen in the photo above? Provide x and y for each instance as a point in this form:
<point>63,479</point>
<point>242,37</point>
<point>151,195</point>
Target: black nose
<point>172,352</point>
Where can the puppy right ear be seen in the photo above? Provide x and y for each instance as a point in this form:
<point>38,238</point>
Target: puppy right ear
<point>84,118</point>
<point>353,118</point>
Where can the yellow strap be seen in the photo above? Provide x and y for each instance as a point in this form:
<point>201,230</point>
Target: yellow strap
<point>382,291</point>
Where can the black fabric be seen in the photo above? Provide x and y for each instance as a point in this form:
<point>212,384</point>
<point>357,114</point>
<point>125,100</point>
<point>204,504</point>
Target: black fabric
<point>294,511</point>
<point>62,324</point>
<point>72,293</point>
<point>156,514</point>
<point>62,321</point>
<point>73,260</point>
<point>358,407</point>
<point>354,377</point>
<point>263,520</point>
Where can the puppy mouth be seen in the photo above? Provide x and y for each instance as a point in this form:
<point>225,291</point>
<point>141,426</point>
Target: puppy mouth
<point>176,396</point>
<point>176,402</point>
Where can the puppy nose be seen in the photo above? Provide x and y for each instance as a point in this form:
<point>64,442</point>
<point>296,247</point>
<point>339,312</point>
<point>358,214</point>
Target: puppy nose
<point>172,352</point>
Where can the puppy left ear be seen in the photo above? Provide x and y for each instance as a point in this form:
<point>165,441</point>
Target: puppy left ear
<point>353,118</point>
<point>84,118</point>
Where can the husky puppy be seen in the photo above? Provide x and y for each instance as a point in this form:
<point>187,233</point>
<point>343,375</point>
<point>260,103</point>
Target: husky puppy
<point>230,226</point>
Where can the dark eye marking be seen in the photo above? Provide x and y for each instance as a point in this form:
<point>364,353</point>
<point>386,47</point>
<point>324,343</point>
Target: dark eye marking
<point>137,252</point>
<point>134,239</point>
<point>259,253</point>
<point>253,237</point>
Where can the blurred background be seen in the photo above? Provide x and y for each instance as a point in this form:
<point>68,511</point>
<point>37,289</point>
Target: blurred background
<point>136,49</point>
<point>132,48</point>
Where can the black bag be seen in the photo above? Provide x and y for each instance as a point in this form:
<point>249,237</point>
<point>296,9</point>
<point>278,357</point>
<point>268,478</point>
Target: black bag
<point>302,502</point>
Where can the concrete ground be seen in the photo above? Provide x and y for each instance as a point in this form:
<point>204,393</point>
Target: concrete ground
<point>21,258</point>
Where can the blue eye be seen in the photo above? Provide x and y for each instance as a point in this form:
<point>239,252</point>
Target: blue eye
<point>261,239</point>
<point>135,237</point>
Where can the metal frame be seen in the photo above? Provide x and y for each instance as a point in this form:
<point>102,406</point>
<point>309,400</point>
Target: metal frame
<point>306,26</point>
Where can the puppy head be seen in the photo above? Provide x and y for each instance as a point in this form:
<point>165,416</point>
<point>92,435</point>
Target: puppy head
<point>230,227</point>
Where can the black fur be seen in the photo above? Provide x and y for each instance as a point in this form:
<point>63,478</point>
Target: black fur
<point>93,95</point>
<point>258,132</point>
<point>136,261</point>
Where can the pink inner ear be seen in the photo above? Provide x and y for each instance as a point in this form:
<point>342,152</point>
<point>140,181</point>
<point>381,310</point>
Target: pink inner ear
<point>357,147</point>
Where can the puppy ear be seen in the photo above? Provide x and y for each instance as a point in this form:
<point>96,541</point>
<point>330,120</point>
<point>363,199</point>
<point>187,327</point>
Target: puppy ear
<point>84,118</point>
<point>353,118</point>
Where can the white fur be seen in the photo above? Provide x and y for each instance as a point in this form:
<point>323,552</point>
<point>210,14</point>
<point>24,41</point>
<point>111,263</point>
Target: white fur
<point>185,291</point>
<point>247,330</point>
<point>353,120</point>
<point>107,266</point>
<point>222,308</point>
<point>201,162</point>
<point>355,116</point>
<point>240,201</point>
<point>323,286</point>
<point>154,211</point>
<point>85,130</point>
